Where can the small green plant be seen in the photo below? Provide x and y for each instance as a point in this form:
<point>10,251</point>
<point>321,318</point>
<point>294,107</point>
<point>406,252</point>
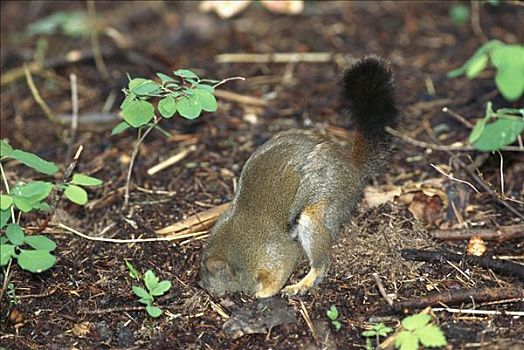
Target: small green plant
<point>417,330</point>
<point>73,24</point>
<point>183,93</point>
<point>508,61</point>
<point>377,331</point>
<point>332,314</point>
<point>497,129</point>
<point>154,288</point>
<point>33,253</point>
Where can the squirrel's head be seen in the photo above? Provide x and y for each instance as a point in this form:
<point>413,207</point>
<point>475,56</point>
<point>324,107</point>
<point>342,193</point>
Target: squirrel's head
<point>218,277</point>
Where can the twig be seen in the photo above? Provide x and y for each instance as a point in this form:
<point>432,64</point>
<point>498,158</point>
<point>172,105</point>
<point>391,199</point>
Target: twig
<point>479,312</point>
<point>460,296</point>
<point>115,240</point>
<point>7,278</point>
<point>313,57</point>
<point>458,117</point>
<point>500,266</point>
<point>36,95</point>
<point>449,176</point>
<point>95,44</point>
<point>74,118</point>
<point>502,233</point>
<point>226,80</point>
<point>111,310</point>
<point>501,174</point>
<point>381,289</point>
<point>436,147</point>
<point>242,99</point>
<point>197,222</point>
<point>305,315</point>
<point>171,160</point>
<point>133,157</point>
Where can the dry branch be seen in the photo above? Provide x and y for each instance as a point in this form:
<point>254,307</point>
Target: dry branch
<point>195,223</point>
<point>502,233</point>
<point>453,297</point>
<point>501,266</point>
<point>285,57</point>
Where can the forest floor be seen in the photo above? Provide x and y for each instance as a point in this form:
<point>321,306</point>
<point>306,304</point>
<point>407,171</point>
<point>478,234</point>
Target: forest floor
<point>85,300</point>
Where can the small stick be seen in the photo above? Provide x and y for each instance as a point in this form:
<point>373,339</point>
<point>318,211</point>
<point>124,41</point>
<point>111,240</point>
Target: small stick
<point>500,266</point>
<point>197,222</point>
<point>242,99</point>
<point>451,177</point>
<point>479,312</point>
<point>36,95</point>
<point>501,233</point>
<point>436,147</point>
<point>305,315</point>
<point>312,57</point>
<point>381,289</point>
<point>95,43</point>
<point>170,161</point>
<point>74,118</point>
<point>458,117</point>
<point>112,309</point>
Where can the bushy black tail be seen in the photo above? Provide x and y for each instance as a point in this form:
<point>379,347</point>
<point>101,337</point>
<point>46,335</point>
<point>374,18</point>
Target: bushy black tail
<point>368,92</point>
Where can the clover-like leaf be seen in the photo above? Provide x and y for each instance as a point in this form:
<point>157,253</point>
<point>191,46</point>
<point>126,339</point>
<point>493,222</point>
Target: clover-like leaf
<point>161,288</point>
<point>137,113</point>
<point>142,293</point>
<point>332,313</point>
<point>120,128</point>
<point>167,107</point>
<point>153,311</point>
<point>416,321</point>
<point>185,73</point>
<point>5,149</point>
<point>406,341</point>
<point>206,99</point>
<point>509,60</point>
<point>76,194</point>
<point>5,201</point>
<point>498,134</point>
<point>35,191</point>
<point>189,108</point>
<point>36,260</point>
<point>165,78</point>
<point>431,336</point>
<point>34,161</point>
<point>7,251</point>
<point>4,217</point>
<point>85,180</point>
<point>15,234</point>
<point>40,242</point>
<point>150,280</point>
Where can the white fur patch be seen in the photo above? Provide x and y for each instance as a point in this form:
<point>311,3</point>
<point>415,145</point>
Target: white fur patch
<point>304,228</point>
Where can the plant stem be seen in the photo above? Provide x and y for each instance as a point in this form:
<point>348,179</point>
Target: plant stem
<point>6,184</point>
<point>139,141</point>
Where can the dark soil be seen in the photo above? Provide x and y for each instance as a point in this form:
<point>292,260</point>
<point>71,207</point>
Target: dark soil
<point>85,300</point>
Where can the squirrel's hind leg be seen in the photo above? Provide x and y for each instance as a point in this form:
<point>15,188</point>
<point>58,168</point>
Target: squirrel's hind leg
<point>316,242</point>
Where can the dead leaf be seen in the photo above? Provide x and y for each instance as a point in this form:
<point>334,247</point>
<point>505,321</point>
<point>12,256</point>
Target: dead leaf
<point>375,196</point>
<point>81,329</point>
<point>476,246</point>
<point>224,9</point>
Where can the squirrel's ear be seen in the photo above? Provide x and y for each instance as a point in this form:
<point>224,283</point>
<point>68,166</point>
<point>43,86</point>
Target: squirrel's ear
<point>215,265</point>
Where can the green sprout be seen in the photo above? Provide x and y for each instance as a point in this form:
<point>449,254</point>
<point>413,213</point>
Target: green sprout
<point>332,314</point>
<point>377,331</point>
<point>154,288</point>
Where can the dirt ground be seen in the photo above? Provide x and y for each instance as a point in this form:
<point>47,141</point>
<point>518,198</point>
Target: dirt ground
<point>85,301</point>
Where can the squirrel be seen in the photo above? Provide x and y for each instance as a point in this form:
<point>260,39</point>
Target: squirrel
<point>297,191</point>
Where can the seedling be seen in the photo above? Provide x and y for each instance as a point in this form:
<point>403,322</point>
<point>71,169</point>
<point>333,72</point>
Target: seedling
<point>332,314</point>
<point>507,59</point>
<point>154,287</point>
<point>417,330</point>
<point>377,331</point>
<point>33,253</point>
<point>183,93</point>
<point>497,129</point>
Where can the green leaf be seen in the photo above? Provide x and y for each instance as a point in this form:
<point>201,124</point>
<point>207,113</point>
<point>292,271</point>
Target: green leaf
<point>23,204</point>
<point>35,191</point>
<point>509,60</point>
<point>85,180</point>
<point>5,149</point>
<point>15,234</point>
<point>207,100</point>
<point>140,86</point>
<point>153,311</point>
<point>4,217</point>
<point>145,301</point>
<point>138,113</point>
<point>164,78</point>
<point>5,201</point>
<point>498,134</point>
<point>167,107</point>
<point>76,194</point>
<point>189,108</point>
<point>185,73</point>
<point>476,65</point>
<point>36,260</point>
<point>370,333</point>
<point>120,128</point>
<point>431,336</point>
<point>150,280</point>
<point>133,272</point>
<point>332,313</point>
<point>337,325</point>
<point>161,288</point>
<point>415,321</point>
<point>384,331</point>
<point>406,341</point>
<point>7,251</point>
<point>459,14</point>
<point>129,98</point>
<point>483,50</point>
<point>207,88</point>
<point>477,131</point>
<point>40,242</point>
<point>34,161</point>
<point>142,293</point>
